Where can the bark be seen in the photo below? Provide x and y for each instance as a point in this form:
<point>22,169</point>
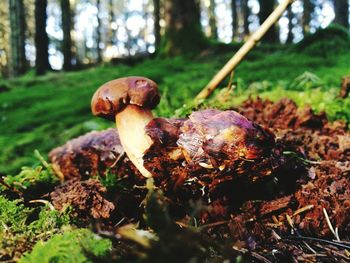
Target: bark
<point>341,9</point>
<point>308,9</point>
<point>290,25</point>
<point>266,8</point>
<point>156,17</point>
<point>234,8</point>
<point>98,32</point>
<point>41,38</point>
<point>212,20</point>
<point>245,13</point>
<point>183,32</point>
<point>17,24</point>
<point>67,39</point>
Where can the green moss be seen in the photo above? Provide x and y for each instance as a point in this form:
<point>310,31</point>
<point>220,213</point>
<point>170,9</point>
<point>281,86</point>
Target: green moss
<point>75,246</point>
<point>21,227</point>
<point>13,215</point>
<point>31,182</point>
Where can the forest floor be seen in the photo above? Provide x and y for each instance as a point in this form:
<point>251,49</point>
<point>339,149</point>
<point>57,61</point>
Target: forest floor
<point>44,112</point>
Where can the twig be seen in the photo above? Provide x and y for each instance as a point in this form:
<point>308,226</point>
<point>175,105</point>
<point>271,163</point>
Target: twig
<point>335,252</point>
<point>309,247</point>
<point>294,230</point>
<point>229,85</point>
<point>260,257</point>
<point>243,51</point>
<point>219,223</point>
<point>335,233</point>
<point>318,240</point>
<point>52,208</point>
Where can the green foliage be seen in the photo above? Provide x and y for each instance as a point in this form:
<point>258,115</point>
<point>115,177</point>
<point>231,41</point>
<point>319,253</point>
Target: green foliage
<point>32,182</point>
<point>21,227</point>
<point>13,215</point>
<point>75,246</point>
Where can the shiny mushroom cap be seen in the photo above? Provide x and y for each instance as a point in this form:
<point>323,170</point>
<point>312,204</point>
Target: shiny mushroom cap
<point>114,95</point>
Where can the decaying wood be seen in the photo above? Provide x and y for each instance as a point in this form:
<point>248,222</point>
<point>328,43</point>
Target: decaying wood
<point>243,51</point>
<point>92,154</point>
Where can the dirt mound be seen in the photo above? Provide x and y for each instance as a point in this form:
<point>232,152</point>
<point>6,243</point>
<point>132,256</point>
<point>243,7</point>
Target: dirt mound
<point>317,211</point>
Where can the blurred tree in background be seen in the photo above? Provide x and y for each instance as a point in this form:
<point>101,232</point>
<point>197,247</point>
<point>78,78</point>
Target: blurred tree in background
<point>234,15</point>
<point>290,17</point>
<point>212,20</point>
<point>72,34</point>
<point>266,8</point>
<point>183,31</point>
<point>245,13</point>
<point>156,23</point>
<point>341,8</point>
<point>67,39</point>
<point>41,38</point>
<point>4,39</point>
<point>17,24</point>
<point>308,9</point>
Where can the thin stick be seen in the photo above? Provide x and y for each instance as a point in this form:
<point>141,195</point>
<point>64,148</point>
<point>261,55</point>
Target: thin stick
<point>229,86</point>
<point>335,233</point>
<point>243,51</point>
<point>318,240</point>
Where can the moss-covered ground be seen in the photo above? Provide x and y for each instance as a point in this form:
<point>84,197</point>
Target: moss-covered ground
<point>44,112</point>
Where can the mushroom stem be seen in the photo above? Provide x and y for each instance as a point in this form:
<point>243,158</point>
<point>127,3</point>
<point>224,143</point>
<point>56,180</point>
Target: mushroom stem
<point>131,124</point>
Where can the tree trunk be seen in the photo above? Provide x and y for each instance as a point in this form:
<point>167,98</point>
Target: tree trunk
<point>245,13</point>
<point>17,24</point>
<point>308,9</point>
<point>290,25</point>
<point>67,39</point>
<point>234,10</point>
<point>156,17</point>
<point>341,9</point>
<point>212,20</point>
<point>41,38</point>
<point>183,32</point>
<point>266,8</point>
<point>98,33</point>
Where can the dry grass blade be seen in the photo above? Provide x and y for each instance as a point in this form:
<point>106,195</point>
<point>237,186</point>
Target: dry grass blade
<point>45,202</point>
<point>335,233</point>
<point>303,209</point>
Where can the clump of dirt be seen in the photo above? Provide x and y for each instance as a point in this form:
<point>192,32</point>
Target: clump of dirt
<point>85,197</point>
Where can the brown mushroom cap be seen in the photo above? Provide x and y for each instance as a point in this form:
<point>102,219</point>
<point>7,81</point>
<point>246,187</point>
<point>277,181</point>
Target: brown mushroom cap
<point>114,95</point>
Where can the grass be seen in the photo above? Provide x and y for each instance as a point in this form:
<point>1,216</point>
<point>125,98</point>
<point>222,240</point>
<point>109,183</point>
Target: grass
<point>43,112</point>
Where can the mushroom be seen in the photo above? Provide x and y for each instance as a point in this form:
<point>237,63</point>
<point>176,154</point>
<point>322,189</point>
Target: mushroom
<point>210,139</point>
<point>129,101</point>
